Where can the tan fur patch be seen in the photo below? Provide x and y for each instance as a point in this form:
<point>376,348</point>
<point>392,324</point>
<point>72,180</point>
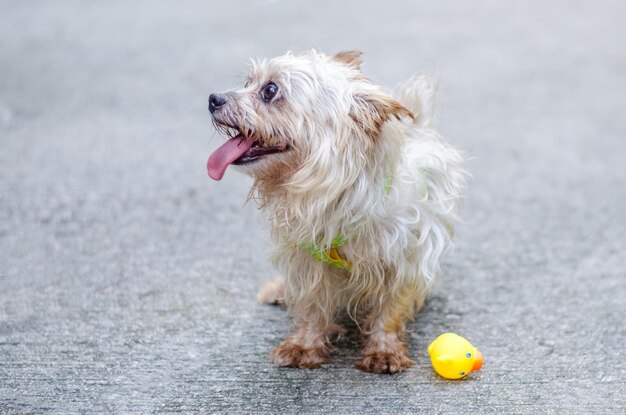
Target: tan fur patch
<point>295,355</point>
<point>351,58</point>
<point>384,362</point>
<point>371,111</point>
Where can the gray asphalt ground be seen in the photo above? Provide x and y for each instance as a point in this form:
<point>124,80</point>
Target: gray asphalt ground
<point>128,278</point>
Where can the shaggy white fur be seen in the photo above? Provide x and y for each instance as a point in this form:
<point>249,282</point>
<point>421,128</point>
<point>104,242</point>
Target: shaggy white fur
<point>333,139</point>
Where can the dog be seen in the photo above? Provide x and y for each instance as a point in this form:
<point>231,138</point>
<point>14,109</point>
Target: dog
<point>360,191</point>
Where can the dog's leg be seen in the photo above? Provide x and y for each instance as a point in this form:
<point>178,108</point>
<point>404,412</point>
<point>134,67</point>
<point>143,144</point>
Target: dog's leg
<point>272,292</point>
<point>307,348</point>
<point>311,296</point>
<point>385,349</point>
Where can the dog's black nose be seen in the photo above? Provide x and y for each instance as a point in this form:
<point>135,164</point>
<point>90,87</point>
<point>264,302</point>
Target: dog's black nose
<point>216,101</point>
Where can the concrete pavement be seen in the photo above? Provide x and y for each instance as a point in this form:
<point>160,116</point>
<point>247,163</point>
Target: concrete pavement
<point>128,279</point>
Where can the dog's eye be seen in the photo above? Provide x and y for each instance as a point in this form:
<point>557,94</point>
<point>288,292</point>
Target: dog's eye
<point>269,91</point>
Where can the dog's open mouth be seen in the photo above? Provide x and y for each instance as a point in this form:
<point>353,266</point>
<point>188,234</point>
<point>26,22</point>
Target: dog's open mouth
<point>239,150</point>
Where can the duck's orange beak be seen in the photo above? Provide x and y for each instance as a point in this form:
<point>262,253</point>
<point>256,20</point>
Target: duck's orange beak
<point>478,362</point>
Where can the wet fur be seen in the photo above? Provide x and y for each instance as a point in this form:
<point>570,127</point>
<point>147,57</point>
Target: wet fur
<point>347,134</point>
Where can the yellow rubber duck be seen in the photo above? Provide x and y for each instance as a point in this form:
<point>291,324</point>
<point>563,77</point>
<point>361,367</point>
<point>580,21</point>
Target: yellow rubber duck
<point>453,357</point>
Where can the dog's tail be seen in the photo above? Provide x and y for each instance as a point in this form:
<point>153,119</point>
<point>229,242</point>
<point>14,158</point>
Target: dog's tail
<point>418,96</point>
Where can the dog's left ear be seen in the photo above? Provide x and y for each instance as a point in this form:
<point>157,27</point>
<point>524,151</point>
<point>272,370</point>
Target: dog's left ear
<point>351,58</point>
<point>372,109</point>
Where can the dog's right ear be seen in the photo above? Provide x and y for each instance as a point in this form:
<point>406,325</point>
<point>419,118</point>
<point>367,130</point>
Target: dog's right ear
<point>371,109</point>
<point>352,58</point>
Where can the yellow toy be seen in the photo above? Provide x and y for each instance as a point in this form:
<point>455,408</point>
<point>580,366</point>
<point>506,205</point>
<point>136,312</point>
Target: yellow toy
<point>453,357</point>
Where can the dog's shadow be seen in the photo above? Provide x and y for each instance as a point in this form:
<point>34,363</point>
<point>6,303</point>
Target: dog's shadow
<point>347,345</point>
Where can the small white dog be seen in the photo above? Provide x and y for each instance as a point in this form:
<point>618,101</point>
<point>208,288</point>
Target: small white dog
<point>360,191</point>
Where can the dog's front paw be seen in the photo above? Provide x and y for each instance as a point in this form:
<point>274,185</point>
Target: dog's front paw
<point>384,362</point>
<point>294,355</point>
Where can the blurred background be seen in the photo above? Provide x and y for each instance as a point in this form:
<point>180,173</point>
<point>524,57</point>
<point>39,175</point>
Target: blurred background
<point>128,278</point>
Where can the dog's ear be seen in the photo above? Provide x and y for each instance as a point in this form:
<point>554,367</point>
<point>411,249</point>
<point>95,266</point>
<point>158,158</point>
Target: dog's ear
<point>372,109</point>
<point>351,58</point>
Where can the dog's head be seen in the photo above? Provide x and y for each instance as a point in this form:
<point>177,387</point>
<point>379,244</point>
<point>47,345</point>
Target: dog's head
<point>301,118</point>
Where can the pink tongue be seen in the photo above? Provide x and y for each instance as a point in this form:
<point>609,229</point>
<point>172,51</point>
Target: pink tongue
<point>226,154</point>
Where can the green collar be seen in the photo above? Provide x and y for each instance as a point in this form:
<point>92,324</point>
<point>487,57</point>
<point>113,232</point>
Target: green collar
<point>330,255</point>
